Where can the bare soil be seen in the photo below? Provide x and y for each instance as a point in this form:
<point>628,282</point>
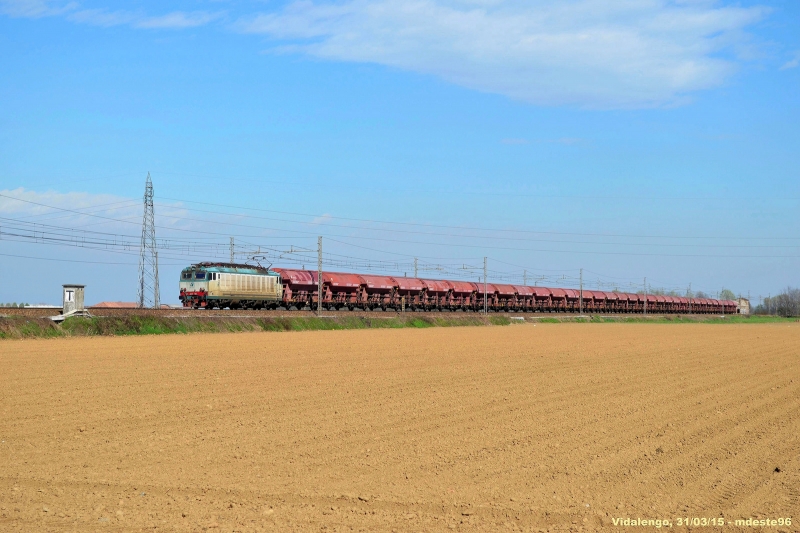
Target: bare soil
<point>543,427</point>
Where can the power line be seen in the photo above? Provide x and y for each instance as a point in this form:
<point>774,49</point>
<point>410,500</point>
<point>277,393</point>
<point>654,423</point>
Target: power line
<point>106,240</point>
<point>466,227</point>
<point>460,271</point>
<point>492,237</point>
<point>61,260</point>
<point>437,244</point>
<point>303,256</point>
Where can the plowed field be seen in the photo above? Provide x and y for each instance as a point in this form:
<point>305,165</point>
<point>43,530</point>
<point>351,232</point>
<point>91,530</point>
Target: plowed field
<point>546,427</point>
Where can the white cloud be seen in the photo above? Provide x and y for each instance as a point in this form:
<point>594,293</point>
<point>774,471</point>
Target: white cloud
<point>568,141</point>
<point>34,8</point>
<point>25,202</point>
<point>104,17</point>
<point>316,221</point>
<point>589,53</point>
<point>178,19</point>
<point>84,210</point>
<point>794,63</point>
<point>174,20</point>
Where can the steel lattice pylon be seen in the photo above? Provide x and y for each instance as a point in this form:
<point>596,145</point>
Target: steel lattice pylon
<point>148,256</point>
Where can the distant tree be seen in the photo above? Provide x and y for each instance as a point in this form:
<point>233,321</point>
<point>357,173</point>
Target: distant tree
<point>784,304</point>
<point>788,303</point>
<point>727,294</point>
<point>701,294</point>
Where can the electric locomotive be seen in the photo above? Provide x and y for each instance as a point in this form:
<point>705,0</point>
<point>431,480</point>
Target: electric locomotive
<point>210,285</point>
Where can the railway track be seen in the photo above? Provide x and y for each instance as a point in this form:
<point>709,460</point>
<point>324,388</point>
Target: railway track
<point>245,313</point>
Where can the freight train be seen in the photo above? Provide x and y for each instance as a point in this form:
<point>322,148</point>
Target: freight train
<point>239,286</point>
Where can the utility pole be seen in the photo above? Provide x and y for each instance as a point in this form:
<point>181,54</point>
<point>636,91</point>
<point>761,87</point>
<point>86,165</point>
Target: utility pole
<point>581,297</point>
<point>721,303</point>
<point>645,296</point>
<point>415,267</point>
<point>231,249</point>
<point>148,253</point>
<point>689,294</point>
<point>485,300</point>
<point>319,275</point>
<point>525,277</point>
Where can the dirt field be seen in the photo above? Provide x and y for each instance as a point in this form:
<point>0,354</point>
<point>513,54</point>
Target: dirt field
<point>544,428</point>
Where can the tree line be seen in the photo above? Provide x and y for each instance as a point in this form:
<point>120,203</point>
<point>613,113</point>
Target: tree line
<point>785,304</point>
<point>15,304</point>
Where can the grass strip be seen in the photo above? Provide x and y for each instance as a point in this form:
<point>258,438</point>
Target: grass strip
<point>27,328</point>
<point>23,328</point>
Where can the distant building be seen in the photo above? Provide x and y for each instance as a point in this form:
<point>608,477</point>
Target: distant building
<point>116,305</point>
<point>128,305</point>
<point>743,305</point>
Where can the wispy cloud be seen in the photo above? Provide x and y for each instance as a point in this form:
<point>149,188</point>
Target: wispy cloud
<point>178,19</point>
<point>568,141</point>
<point>794,63</point>
<point>589,53</point>
<point>320,220</point>
<point>74,12</point>
<point>102,17</point>
<point>26,202</point>
<point>35,8</point>
<point>584,53</point>
<point>107,210</point>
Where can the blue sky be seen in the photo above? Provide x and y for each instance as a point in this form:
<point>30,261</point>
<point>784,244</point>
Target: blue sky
<point>631,139</point>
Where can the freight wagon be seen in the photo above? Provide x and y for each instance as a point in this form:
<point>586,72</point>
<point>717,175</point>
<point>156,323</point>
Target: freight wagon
<point>235,286</point>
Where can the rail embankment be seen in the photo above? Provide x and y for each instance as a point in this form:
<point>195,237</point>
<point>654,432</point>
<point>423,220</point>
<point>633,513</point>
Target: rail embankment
<point>22,325</point>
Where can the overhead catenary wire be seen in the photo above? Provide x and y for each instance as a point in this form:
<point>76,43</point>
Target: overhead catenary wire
<point>64,260</point>
<point>317,216</point>
<point>337,261</point>
<point>400,223</point>
<point>302,255</point>
<point>491,237</point>
<point>474,246</point>
<point>191,246</point>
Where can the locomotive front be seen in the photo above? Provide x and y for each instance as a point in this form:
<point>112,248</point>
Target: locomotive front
<point>194,286</point>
